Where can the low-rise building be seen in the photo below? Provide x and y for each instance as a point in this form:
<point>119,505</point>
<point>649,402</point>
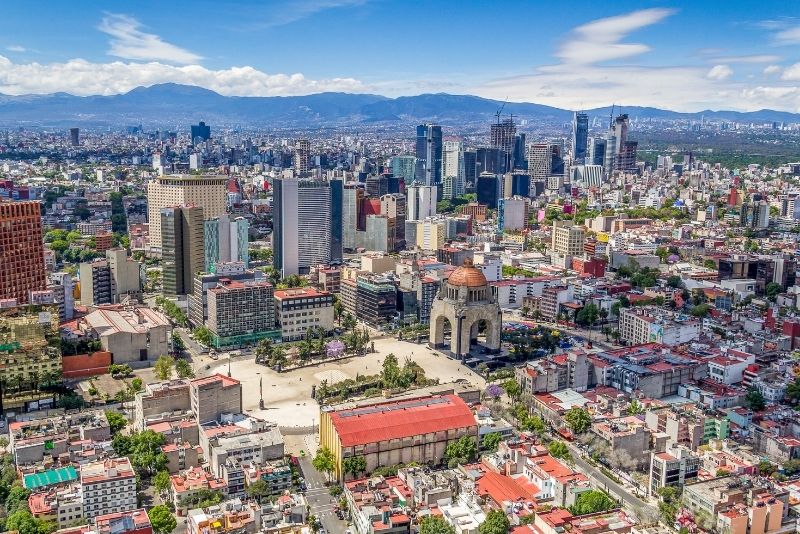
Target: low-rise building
<point>674,467</point>
<point>128,522</point>
<point>107,486</point>
<point>33,441</point>
<point>377,505</point>
<point>131,333</point>
<point>185,485</point>
<point>301,308</point>
<point>231,516</point>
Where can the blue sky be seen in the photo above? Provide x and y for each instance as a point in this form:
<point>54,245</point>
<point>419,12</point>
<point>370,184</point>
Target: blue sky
<point>577,54</point>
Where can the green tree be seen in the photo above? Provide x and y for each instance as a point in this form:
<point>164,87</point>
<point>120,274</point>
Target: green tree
<point>512,388</point>
<point>591,502</point>
<point>184,369</point>
<point>16,499</point>
<point>588,315</point>
<point>178,346</point>
<point>324,462</point>
<point>461,451</point>
<point>116,421</point>
<point>496,522</point>
<point>163,367</point>
<point>675,281</point>
<point>755,400</point>
<point>390,374</point>
<point>203,335</point>
<point>354,465</point>
<point>435,524</point>
<point>23,521</point>
<point>162,481</point>
<point>162,520</point>
<point>578,420</point>
<point>772,290</point>
<point>258,489</point>
<point>558,449</point>
<point>491,441</point>
<point>635,407</point>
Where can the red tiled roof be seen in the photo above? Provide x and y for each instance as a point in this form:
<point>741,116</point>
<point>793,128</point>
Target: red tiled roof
<point>503,488</point>
<point>394,420</point>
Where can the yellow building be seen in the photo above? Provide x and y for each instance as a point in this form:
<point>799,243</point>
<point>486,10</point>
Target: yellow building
<point>30,353</point>
<point>430,235</point>
<point>207,192</point>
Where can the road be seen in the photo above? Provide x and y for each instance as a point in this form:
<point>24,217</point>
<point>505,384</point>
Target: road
<point>635,504</point>
<point>319,498</point>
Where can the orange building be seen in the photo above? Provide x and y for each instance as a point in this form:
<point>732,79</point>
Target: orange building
<point>21,250</point>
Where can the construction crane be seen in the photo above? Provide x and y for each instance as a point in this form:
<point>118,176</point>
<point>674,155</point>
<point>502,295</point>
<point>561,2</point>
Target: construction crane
<point>499,111</point>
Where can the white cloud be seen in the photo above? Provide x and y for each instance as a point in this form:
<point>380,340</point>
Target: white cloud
<point>16,48</point>
<point>756,58</point>
<point>720,72</point>
<point>300,9</point>
<point>599,40</point>
<point>130,42</point>
<point>81,77</point>
<point>788,36</point>
<point>769,70</point>
<point>791,73</point>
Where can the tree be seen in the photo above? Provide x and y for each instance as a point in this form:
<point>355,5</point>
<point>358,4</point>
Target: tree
<point>116,421</point>
<point>324,462</point>
<point>772,290</point>
<point>491,441</point>
<point>670,502</point>
<point>700,310</point>
<point>258,489</point>
<point>674,281</point>
<point>755,400</point>
<point>578,420</point>
<point>766,468</point>
<point>588,315</point>
<point>635,407</point>
<point>163,367</point>
<point>203,335</point>
<point>558,449</point>
<point>512,388</point>
<point>390,374</point>
<point>263,350</point>
<point>493,391</point>
<point>162,520</point>
<point>23,521</point>
<point>435,524</point>
<point>143,449</point>
<point>178,346</point>
<point>162,481</point>
<point>792,394</point>
<point>354,465</point>
<point>461,451</point>
<point>184,369</point>
<point>591,502</point>
<point>496,522</point>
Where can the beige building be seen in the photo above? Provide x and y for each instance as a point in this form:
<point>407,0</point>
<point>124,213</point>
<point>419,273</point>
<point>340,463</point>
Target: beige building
<point>378,263</point>
<point>130,333</point>
<point>162,402</point>
<point>301,308</point>
<point>567,238</point>
<point>215,395</point>
<point>107,281</point>
<point>108,486</point>
<point>430,235</point>
<point>208,192</point>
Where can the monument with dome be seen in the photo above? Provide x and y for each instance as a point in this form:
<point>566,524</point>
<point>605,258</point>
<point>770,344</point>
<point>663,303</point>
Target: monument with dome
<point>466,303</point>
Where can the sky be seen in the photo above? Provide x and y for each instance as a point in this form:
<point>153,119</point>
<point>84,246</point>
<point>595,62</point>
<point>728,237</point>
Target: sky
<point>580,54</point>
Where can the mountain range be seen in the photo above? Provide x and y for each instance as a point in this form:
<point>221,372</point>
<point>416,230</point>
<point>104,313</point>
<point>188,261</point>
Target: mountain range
<point>180,105</point>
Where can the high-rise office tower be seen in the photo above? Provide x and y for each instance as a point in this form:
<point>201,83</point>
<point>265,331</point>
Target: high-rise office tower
<point>304,222</point>
<point>207,192</point>
<point>580,136</point>
<point>492,160</point>
<point>226,240</point>
<point>393,206</point>
<point>404,167</point>
<point>520,144</point>
<point>200,132</point>
<point>489,189</point>
<point>183,247</point>
<point>75,136</point>
<point>429,154</point>
<point>377,185</point>
<point>501,136</point>
<point>22,267</point>
<point>470,174</point>
<point>597,151</point>
<point>352,196</point>
<point>453,169</point>
<point>539,160</point>
<point>421,201</point>
<point>302,156</point>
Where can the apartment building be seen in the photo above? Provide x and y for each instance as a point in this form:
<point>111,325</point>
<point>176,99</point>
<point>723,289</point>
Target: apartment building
<point>21,250</point>
<point>241,312</point>
<point>108,486</point>
<point>639,325</point>
<point>301,308</point>
<point>676,466</point>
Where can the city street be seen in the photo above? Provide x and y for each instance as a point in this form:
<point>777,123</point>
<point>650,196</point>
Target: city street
<point>319,498</point>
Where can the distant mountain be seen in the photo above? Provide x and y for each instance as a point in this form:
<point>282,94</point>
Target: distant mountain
<point>179,105</point>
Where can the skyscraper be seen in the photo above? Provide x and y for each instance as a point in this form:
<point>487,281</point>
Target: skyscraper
<point>597,151</point>
<point>302,156</point>
<point>201,132</point>
<point>580,136</point>
<point>207,192</point>
<point>421,201</point>
<point>539,160</point>
<point>22,267</point>
<point>470,174</point>
<point>75,136</point>
<point>429,154</point>
<point>520,142</point>
<point>183,247</point>
<point>303,224</point>
<point>404,167</point>
<point>453,169</point>
<point>393,206</point>
<point>489,189</point>
<point>501,136</point>
<point>351,208</point>
<point>226,240</point>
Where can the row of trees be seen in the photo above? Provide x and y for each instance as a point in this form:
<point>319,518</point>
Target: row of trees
<point>165,365</point>
<point>172,310</point>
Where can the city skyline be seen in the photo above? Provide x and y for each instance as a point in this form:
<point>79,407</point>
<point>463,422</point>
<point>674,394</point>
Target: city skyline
<point>673,55</point>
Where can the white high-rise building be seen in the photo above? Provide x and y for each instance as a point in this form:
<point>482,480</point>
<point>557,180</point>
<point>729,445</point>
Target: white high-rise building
<point>421,201</point>
<point>302,224</point>
<point>453,169</point>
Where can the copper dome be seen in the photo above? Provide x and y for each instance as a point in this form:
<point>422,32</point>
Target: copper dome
<point>468,275</point>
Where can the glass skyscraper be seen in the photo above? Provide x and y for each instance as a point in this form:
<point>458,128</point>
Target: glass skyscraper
<point>429,154</point>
